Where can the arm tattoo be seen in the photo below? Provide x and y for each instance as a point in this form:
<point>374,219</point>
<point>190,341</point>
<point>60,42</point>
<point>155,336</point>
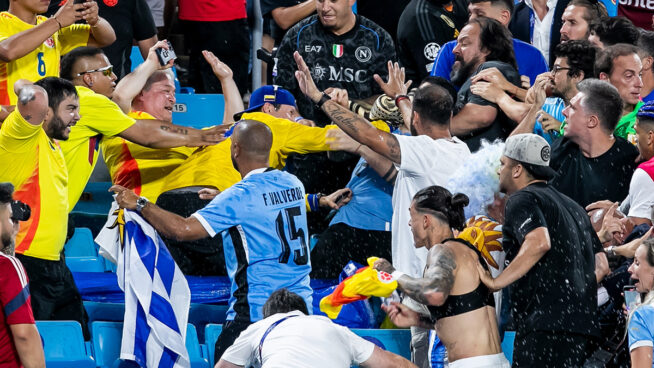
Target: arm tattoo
<point>438,277</point>
<point>394,152</point>
<point>344,118</point>
<point>178,130</point>
<point>359,128</point>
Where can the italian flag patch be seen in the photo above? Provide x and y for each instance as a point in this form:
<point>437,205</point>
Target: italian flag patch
<point>337,50</point>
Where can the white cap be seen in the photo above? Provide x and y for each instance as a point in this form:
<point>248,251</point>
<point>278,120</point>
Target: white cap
<point>530,149</point>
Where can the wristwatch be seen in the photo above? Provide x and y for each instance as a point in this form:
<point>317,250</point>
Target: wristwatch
<point>140,203</point>
<point>610,251</point>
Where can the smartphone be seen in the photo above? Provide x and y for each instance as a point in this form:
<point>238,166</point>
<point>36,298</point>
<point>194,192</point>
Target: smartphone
<point>166,55</point>
<point>631,297</point>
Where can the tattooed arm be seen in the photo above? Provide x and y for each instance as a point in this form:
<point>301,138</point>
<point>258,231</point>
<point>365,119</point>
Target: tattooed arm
<point>160,134</point>
<point>435,286</point>
<point>355,126</point>
<point>32,101</point>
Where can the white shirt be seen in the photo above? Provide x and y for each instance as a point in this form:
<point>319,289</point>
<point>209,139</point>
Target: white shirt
<point>542,28</point>
<point>640,200</point>
<point>425,162</point>
<point>300,341</point>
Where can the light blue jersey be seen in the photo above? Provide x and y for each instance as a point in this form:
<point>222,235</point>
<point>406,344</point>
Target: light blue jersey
<point>263,222</point>
<point>553,106</point>
<point>641,327</point>
<point>370,207</point>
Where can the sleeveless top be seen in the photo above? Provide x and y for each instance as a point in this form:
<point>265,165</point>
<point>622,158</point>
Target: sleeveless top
<point>459,304</point>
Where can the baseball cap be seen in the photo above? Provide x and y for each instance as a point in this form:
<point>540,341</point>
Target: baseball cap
<point>533,152</point>
<point>273,94</point>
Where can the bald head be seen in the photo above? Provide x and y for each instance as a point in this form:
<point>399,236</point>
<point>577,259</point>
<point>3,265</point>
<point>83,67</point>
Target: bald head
<point>254,139</point>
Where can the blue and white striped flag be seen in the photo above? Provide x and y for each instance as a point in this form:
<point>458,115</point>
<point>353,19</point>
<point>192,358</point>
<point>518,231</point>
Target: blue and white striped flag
<point>157,296</point>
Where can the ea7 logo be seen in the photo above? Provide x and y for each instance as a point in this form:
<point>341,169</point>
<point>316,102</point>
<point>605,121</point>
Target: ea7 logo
<point>308,48</point>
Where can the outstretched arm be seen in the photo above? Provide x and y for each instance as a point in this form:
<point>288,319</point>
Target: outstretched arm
<point>166,223</point>
<point>355,126</point>
<point>435,286</point>
<point>160,134</point>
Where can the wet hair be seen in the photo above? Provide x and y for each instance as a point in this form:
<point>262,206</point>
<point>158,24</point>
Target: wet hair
<point>605,59</point>
<point>603,100</point>
<point>496,39</point>
<point>69,60</point>
<point>506,4</point>
<point>284,301</point>
<point>6,192</point>
<point>613,30</point>
<point>57,89</point>
<point>580,55</point>
<point>433,103</point>
<point>440,202</point>
<point>594,9</point>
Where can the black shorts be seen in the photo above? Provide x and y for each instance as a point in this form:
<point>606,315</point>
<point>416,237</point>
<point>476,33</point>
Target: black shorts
<point>53,291</point>
<point>231,330</point>
<point>550,349</point>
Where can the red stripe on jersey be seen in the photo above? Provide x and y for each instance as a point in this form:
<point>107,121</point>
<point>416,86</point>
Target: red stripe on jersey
<point>30,193</point>
<point>128,174</point>
<point>93,147</point>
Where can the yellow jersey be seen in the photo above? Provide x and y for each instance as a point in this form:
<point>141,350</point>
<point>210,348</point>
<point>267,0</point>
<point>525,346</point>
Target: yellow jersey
<point>212,166</point>
<point>35,165</point>
<point>99,116</point>
<point>140,168</point>
<point>41,62</point>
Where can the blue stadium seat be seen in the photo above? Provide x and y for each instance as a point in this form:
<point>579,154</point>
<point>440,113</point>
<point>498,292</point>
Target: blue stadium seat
<point>81,244</point>
<point>196,353</point>
<point>96,199</point>
<point>106,337</point>
<point>211,333</point>
<point>86,264</point>
<point>202,314</point>
<point>507,345</point>
<point>63,344</point>
<point>104,311</point>
<point>199,110</point>
<point>397,341</point>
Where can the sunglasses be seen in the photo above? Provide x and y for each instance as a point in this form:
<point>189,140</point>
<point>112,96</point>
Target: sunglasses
<point>106,71</point>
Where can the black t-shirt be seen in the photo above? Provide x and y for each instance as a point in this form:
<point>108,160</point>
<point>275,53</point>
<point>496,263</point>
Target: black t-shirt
<point>502,126</point>
<point>347,61</point>
<point>424,27</point>
<point>559,293</point>
<point>267,6</point>
<point>587,180</point>
<point>131,20</point>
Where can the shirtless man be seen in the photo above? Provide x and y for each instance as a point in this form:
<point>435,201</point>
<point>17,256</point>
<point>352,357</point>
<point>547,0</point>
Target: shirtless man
<point>461,308</point>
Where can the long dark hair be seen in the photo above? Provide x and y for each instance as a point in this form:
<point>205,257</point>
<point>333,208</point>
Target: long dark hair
<point>439,202</point>
<point>497,39</point>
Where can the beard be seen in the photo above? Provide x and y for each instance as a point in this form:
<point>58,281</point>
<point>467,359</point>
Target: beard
<point>560,93</point>
<point>57,129</point>
<point>462,71</point>
<point>413,130</point>
<point>7,243</point>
